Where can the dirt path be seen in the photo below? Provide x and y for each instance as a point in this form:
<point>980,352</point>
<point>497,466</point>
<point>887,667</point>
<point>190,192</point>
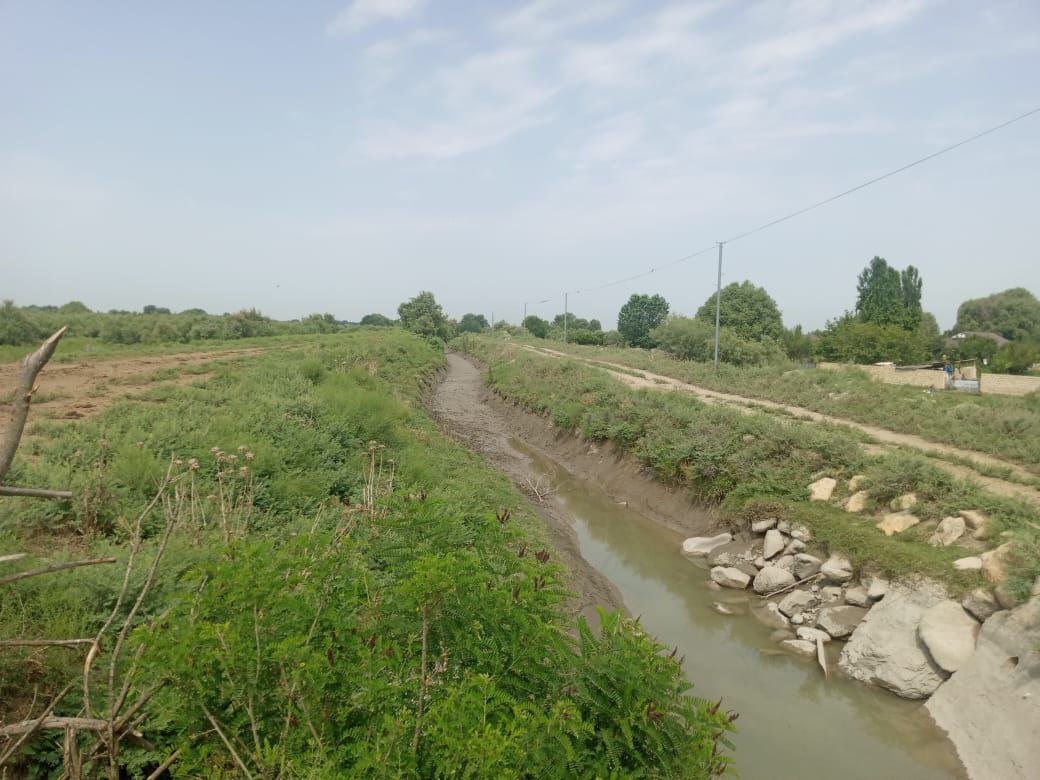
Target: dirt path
<point>76,390</point>
<point>461,404</point>
<point>884,436</point>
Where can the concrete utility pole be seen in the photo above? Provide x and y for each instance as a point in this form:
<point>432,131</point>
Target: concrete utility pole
<point>718,307</point>
<point>492,320</point>
<point>566,316</point>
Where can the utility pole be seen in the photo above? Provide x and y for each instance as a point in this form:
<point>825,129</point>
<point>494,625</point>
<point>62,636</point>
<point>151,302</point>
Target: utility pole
<point>525,316</point>
<point>718,307</point>
<point>566,316</point>
<point>492,320</point>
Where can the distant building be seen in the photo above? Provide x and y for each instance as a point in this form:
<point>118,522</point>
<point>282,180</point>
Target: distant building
<point>957,338</point>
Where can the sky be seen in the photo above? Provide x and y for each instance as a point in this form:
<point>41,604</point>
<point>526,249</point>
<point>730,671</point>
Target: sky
<point>342,156</point>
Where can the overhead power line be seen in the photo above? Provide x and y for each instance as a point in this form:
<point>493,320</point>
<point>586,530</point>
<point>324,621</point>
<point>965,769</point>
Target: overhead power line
<point>799,212</point>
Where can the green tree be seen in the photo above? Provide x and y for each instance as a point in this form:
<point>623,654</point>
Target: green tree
<point>377,320</point>
<point>930,338</point>
<point>1016,357</point>
<point>473,323</point>
<point>15,327</point>
<point>887,296</point>
<point>1014,314</point>
<point>975,348</point>
<point>319,323</point>
<point>748,310</point>
<point>694,339</point>
<point>797,345</point>
<point>423,315</point>
<point>849,340</point>
<point>640,315</point>
<point>74,307</point>
<point>150,309</point>
<point>536,326</point>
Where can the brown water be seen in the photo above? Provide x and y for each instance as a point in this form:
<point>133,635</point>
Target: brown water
<point>794,723</point>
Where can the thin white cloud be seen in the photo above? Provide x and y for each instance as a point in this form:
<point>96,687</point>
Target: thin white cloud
<point>610,142</point>
<point>364,13</point>
<point>549,18</point>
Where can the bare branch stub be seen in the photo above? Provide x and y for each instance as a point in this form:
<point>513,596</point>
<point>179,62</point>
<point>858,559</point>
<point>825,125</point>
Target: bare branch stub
<point>31,367</point>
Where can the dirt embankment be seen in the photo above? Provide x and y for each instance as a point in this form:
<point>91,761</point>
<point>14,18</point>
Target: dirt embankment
<point>487,425</point>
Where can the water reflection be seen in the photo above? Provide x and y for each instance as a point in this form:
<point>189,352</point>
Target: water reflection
<point>793,721</point>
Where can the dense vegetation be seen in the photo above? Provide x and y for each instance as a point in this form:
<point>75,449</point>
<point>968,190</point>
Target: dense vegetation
<point>745,462</point>
<point>1014,314</point>
<point>343,592</point>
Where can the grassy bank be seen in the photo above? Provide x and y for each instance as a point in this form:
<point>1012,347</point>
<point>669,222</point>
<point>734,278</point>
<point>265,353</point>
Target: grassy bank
<point>754,463</point>
<point>1005,426</point>
<point>341,591</point>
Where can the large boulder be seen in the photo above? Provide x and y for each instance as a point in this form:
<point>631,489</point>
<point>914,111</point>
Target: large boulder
<point>856,481</point>
<point>772,578</point>
<point>702,545</point>
<point>857,501</point>
<point>949,530</point>
<point>796,601</point>
<point>729,553</point>
<point>857,597</point>
<point>773,544</point>
<point>839,622</point>
<point>761,526</point>
<point>977,522</point>
<point>821,489</point>
<point>801,533</point>
<point>994,563</point>
<point>730,577</point>
<point>991,706</point>
<point>971,563</point>
<point>806,565</point>
<point>885,650</point>
<point>897,522</point>
<point>837,569</point>
<point>799,646</point>
<point>785,562</point>
<point>949,634</point>
<point>812,634</point>
<point>904,502</point>
<point>980,603</point>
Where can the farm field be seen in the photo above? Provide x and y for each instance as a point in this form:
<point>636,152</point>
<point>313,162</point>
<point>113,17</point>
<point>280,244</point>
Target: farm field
<point>309,578</point>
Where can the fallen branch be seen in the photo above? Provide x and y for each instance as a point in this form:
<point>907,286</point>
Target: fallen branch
<point>31,367</point>
<point>29,727</point>
<point>53,568</point>
<point>821,656</point>
<point>44,642</point>
<point>12,557</point>
<point>47,722</point>
<point>161,769</point>
<point>792,585</point>
<point>10,490</point>
<point>227,744</point>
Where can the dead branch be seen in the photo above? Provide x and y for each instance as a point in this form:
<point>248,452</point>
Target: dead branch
<point>423,681</point>
<point>541,491</point>
<point>10,490</point>
<point>228,745</point>
<point>29,727</point>
<point>821,656</point>
<point>31,367</point>
<point>159,770</point>
<point>44,642</point>
<point>792,585</point>
<point>53,568</point>
<point>12,557</point>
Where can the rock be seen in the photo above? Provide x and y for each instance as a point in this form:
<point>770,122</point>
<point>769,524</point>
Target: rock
<point>794,547</point>
<point>877,588</point>
<point>897,522</point>
<point>856,481</point>
<point>730,577</point>
<point>812,634</point>
<point>831,594</point>
<point>977,522</point>
<point>994,563</point>
<point>799,646</point>
<point>839,622</point>
<point>783,526</point>
<point>980,603</point>
<point>795,602</point>
<point>971,563</point>
<point>904,502</point>
<point>730,553</point>
<point>747,567</point>
<point>857,597</point>
<point>761,526</point>
<point>837,568</point>
<point>949,530</point>
<point>857,501</point>
<point>797,620</point>
<point>885,649</point>
<point>772,578</point>
<point>747,438</point>
<point>759,562</point>
<point>1005,597</point>
<point>771,616</point>
<point>821,489</point>
<point>949,634</point>
<point>773,544</point>
<point>702,545</point>
<point>785,562</point>
<point>806,565</point>
<point>991,706</point>
<point>801,533</point>
<point>722,609</point>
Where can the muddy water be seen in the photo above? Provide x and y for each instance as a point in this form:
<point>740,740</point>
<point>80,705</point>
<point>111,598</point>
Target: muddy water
<point>793,722</point>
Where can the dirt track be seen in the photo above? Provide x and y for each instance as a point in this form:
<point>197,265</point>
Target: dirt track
<point>887,438</point>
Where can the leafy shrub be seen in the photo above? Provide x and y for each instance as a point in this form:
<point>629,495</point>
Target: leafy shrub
<point>694,340</point>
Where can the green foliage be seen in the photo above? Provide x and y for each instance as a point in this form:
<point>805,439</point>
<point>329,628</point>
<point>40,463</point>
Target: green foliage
<point>1014,314</point>
<point>377,320</point>
<point>1016,357</point>
<point>798,345</point>
<point>582,336</point>
<point>536,326</point>
<point>423,315</point>
<point>16,328</point>
<point>974,347</point>
<point>640,315</point>
<point>887,296</point>
<point>850,340</point>
<point>319,323</point>
<point>573,323</point>
<point>473,323</point>
<point>747,310</point>
<point>694,339</point>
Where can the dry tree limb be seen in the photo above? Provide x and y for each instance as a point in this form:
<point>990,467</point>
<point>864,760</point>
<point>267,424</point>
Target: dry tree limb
<point>227,744</point>
<point>792,585</point>
<point>31,367</point>
<point>821,656</point>
<point>53,568</point>
<point>12,557</point>
<point>70,643</point>
<point>423,682</point>
<point>29,727</point>
<point>10,490</point>
<point>159,770</point>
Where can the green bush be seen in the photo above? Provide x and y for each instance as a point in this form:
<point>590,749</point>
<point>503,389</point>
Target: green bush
<point>694,340</point>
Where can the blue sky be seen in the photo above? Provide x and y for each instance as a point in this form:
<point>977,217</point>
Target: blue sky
<point>340,157</point>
